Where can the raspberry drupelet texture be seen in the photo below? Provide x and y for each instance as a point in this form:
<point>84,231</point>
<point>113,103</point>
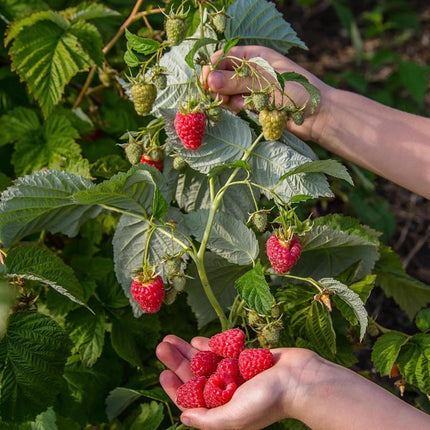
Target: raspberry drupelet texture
<point>190,394</point>
<point>229,343</point>
<point>190,128</point>
<point>219,389</point>
<point>231,367</point>
<point>253,361</point>
<point>149,295</point>
<point>204,363</point>
<point>283,255</point>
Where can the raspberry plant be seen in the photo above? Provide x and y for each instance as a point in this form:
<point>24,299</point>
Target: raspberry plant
<point>104,195</point>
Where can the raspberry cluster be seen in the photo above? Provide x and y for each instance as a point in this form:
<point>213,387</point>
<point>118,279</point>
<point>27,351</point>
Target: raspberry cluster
<point>220,371</point>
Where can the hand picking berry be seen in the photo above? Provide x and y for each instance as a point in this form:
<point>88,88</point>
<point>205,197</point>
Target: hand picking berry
<point>229,343</point>
<point>272,122</point>
<point>149,294</point>
<point>253,361</point>
<point>190,128</point>
<point>283,253</point>
<point>190,394</point>
<point>143,95</point>
<point>204,363</point>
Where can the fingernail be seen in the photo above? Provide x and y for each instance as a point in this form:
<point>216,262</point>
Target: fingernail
<point>216,80</point>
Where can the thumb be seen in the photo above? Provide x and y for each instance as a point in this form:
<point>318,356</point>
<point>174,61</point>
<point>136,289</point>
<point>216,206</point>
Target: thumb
<point>207,419</point>
<point>226,82</point>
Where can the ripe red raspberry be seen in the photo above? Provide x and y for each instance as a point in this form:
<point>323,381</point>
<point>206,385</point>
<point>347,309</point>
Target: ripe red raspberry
<point>190,394</point>
<point>231,367</point>
<point>190,128</point>
<point>146,159</point>
<point>229,343</point>
<point>219,389</point>
<point>283,254</point>
<point>253,361</point>
<point>149,294</point>
<point>204,363</point>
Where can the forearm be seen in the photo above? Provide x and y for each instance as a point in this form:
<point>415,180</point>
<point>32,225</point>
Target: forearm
<point>342,399</point>
<point>386,141</point>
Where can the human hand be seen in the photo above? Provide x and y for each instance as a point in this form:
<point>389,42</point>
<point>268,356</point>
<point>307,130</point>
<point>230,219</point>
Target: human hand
<point>232,89</point>
<point>268,397</point>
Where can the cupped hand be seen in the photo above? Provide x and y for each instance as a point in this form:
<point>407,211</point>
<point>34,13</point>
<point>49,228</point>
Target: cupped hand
<point>264,399</point>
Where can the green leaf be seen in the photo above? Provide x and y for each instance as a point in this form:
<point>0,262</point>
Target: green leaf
<point>150,416</point>
<point>422,320</point>
<point>351,298</point>
<point>319,330</point>
<point>131,191</point>
<point>253,288</point>
<point>271,160</point>
<point>230,44</point>
<point>414,78</point>
<point>364,287</point>
<point>224,142</point>
<point>259,23</point>
<point>87,332</point>
<point>36,350</point>
<point>132,338</point>
<point>46,147</point>
<point>141,45</point>
<point>229,237</point>
<point>189,58</point>
<point>17,124</point>
<point>414,361</point>
<point>130,58</point>
<point>328,167</point>
<point>43,201</point>
<point>314,92</point>
<point>409,293</point>
<point>121,398</point>
<point>221,275</point>
<point>87,11</point>
<point>386,350</point>
<point>50,52</point>
<point>37,264</point>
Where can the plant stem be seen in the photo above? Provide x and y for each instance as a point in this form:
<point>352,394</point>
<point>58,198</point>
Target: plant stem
<point>300,278</point>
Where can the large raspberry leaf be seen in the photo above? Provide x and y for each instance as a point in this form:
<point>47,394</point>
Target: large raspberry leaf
<point>32,356</point>
<point>43,201</point>
<point>270,161</point>
<point>229,237</point>
<point>259,23</point>
<point>48,50</point>
<point>193,193</point>
<point>38,264</point>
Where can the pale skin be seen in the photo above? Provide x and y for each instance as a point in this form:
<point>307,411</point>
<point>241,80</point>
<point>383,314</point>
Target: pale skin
<point>386,141</point>
<point>301,385</point>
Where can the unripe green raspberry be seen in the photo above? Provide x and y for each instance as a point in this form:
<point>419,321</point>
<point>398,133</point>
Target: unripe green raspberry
<point>178,282</point>
<point>243,71</point>
<point>160,81</point>
<point>133,152</point>
<point>143,95</point>
<point>214,113</point>
<point>176,29</point>
<point>273,122</point>
<point>219,21</point>
<point>271,334</point>
<point>156,153</point>
<point>173,265</point>
<point>259,220</point>
<point>260,100</point>
<point>170,296</point>
<point>298,117</point>
<point>179,164</point>
<point>254,319</point>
